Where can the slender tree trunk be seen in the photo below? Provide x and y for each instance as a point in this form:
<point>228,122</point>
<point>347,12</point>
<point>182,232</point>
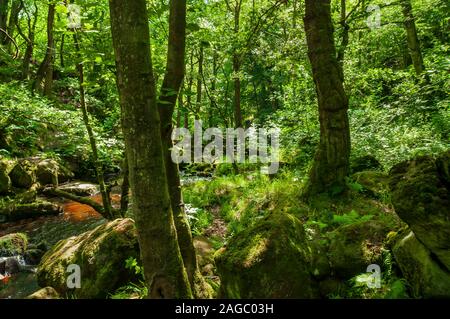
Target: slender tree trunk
<point>4,4</point>
<point>331,163</point>
<point>164,270</point>
<point>345,35</point>
<point>31,22</point>
<point>13,18</point>
<point>412,38</point>
<point>45,70</point>
<point>236,72</point>
<point>199,82</point>
<point>98,165</point>
<point>61,50</point>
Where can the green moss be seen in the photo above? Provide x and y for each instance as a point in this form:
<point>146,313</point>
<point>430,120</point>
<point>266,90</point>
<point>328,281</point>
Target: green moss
<point>13,244</point>
<point>272,259</point>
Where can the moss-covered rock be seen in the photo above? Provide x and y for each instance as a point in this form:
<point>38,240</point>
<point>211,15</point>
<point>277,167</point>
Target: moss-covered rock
<point>420,191</point>
<point>101,255</point>
<point>272,259</point>
<point>5,181</point>
<point>49,171</point>
<point>44,293</point>
<point>354,247</point>
<point>426,277</point>
<point>13,244</point>
<point>12,212</point>
<point>23,175</point>
<point>374,183</point>
<point>363,163</point>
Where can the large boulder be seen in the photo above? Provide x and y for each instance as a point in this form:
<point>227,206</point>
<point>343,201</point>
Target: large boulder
<point>13,244</point>
<point>49,171</point>
<point>23,175</point>
<point>272,259</point>
<point>374,183</point>
<point>364,163</point>
<point>100,254</point>
<point>426,277</point>
<point>12,212</point>
<point>354,247</point>
<point>420,191</point>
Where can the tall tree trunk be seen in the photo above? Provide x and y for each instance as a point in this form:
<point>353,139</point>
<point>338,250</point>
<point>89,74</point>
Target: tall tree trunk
<point>331,163</point>
<point>98,165</point>
<point>412,38</point>
<point>168,98</point>
<point>198,104</point>
<point>4,5</point>
<point>164,270</point>
<point>237,70</point>
<point>13,18</point>
<point>29,39</point>
<point>45,70</point>
<point>345,35</point>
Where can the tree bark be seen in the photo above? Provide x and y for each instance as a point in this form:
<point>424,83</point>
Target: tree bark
<point>4,4</point>
<point>331,162</point>
<point>198,104</point>
<point>45,70</point>
<point>29,39</point>
<point>13,18</point>
<point>345,35</point>
<point>168,98</point>
<point>412,38</point>
<point>124,198</point>
<point>164,270</point>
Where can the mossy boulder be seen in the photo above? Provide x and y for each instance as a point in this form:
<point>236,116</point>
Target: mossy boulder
<point>374,183</point>
<point>23,175</point>
<point>49,171</point>
<point>101,255</point>
<point>426,277</point>
<point>12,212</point>
<point>272,259</point>
<point>420,191</point>
<point>364,163</point>
<point>5,181</point>
<point>354,247</point>
<point>13,244</point>
<point>44,293</point>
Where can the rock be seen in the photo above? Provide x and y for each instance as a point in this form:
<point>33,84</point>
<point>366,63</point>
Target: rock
<point>364,163</point>
<point>47,172</point>
<point>5,181</point>
<point>426,277</point>
<point>374,183</point>
<point>101,255</point>
<point>80,188</point>
<point>420,191</point>
<point>45,293</point>
<point>23,175</point>
<point>354,247</point>
<point>51,172</point>
<point>13,212</point>
<point>13,244</point>
<point>272,259</point>
<point>12,265</point>
<point>33,256</point>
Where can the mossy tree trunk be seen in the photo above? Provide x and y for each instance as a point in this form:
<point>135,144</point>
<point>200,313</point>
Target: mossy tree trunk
<point>45,70</point>
<point>331,162</point>
<point>166,106</point>
<point>4,4</point>
<point>164,270</point>
<point>412,38</point>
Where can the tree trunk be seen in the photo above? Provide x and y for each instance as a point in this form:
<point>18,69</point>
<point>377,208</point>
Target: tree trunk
<point>168,98</point>
<point>345,35</point>
<point>124,198</point>
<point>236,71</point>
<point>164,270</point>
<point>198,104</point>
<point>98,165</point>
<point>4,4</point>
<point>331,163</point>
<point>411,34</point>
<point>13,18</point>
<point>46,68</point>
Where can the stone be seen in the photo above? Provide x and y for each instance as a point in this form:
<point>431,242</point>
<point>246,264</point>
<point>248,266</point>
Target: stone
<point>426,277</point>
<point>354,247</point>
<point>364,163</point>
<point>23,175</point>
<point>100,254</point>
<point>45,293</point>
<point>272,259</point>
<point>420,192</point>
<point>5,181</point>
<point>13,244</point>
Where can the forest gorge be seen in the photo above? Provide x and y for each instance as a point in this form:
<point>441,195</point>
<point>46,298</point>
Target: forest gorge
<point>92,204</point>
